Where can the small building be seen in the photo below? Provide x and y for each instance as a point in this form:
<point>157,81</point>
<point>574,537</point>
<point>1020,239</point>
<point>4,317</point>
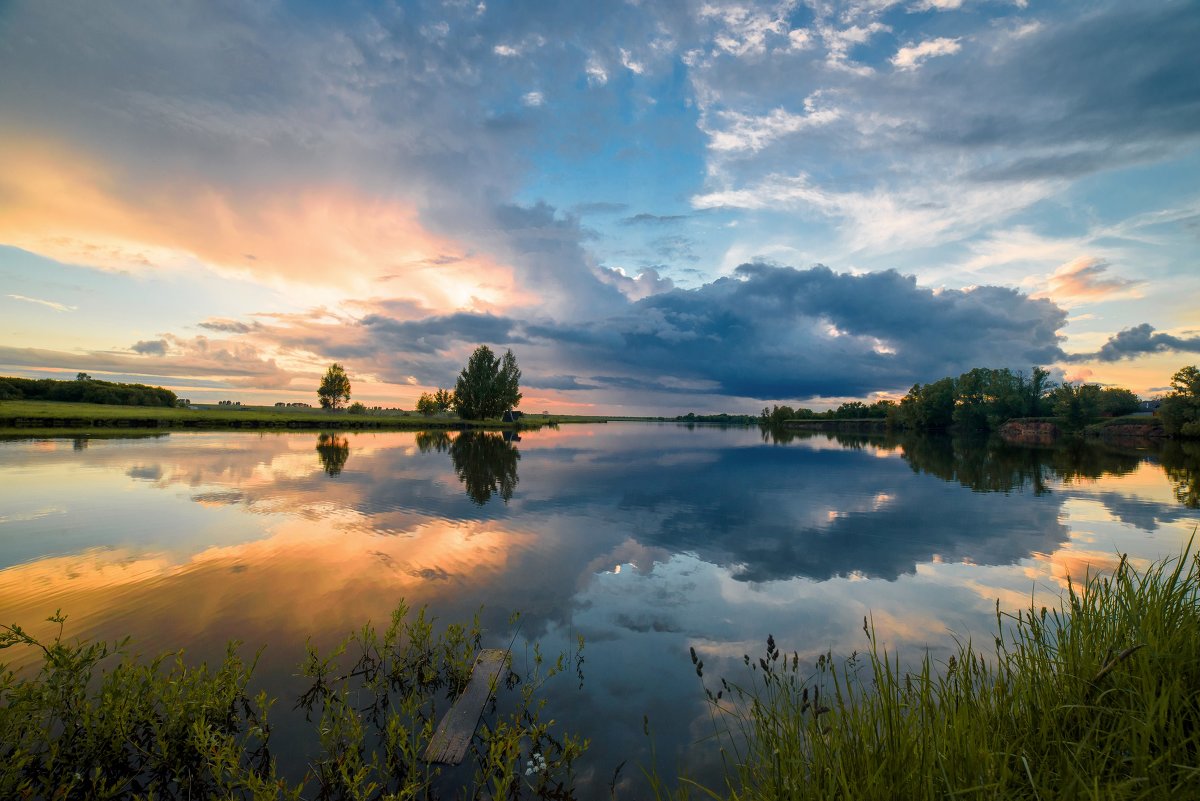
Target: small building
<point>1150,406</point>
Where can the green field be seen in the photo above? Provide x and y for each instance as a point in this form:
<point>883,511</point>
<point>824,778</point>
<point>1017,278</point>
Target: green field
<point>57,415</point>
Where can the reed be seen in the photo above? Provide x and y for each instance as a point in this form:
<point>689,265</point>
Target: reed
<point>1096,699</point>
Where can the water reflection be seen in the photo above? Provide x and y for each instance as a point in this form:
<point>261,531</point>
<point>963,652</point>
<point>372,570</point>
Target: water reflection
<point>333,450</point>
<point>1181,461</point>
<point>646,539</point>
<point>486,463</point>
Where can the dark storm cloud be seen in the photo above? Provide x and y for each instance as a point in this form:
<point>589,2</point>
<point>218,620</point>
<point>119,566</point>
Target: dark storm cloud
<point>150,347</point>
<point>435,334</point>
<point>777,332</point>
<point>1120,74</point>
<point>769,332</point>
<point>1141,340</point>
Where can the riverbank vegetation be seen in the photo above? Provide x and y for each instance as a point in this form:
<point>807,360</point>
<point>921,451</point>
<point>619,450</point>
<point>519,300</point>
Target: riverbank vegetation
<point>84,389</point>
<point>96,722</point>
<point>1094,699</point>
<point>984,399</point>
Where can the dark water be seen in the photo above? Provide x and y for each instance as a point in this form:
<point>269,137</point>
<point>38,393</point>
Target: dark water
<point>646,539</point>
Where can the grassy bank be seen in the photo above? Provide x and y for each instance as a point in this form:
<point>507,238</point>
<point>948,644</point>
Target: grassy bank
<point>1097,699</point>
<point>24,414</point>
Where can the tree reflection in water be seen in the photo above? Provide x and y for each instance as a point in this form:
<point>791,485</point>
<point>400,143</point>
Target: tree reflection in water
<point>333,451</point>
<point>1181,462</point>
<point>486,463</point>
<point>429,441</point>
<point>989,464</point>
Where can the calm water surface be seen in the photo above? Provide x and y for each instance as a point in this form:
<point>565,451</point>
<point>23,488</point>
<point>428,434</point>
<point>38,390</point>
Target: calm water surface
<point>646,539</point>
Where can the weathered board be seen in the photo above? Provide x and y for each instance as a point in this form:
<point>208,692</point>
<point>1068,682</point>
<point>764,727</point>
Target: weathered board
<point>453,736</point>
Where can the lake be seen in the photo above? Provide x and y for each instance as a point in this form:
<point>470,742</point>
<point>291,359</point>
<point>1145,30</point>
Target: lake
<point>647,539</point>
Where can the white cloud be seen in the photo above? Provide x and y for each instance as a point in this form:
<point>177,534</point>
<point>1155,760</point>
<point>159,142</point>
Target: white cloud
<point>58,307</point>
<point>744,31</point>
<point>937,5</point>
<point>533,99</point>
<point>838,42</point>
<point>628,63</point>
<point>912,56</point>
<point>883,219</point>
<point>596,74</point>
<point>506,51</point>
<point>746,132</point>
<point>800,39</point>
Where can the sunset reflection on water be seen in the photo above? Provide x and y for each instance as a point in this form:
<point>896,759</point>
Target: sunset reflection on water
<point>646,539</point>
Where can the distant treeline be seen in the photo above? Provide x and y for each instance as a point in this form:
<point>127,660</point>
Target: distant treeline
<point>728,419</point>
<point>84,389</point>
<point>981,399</point>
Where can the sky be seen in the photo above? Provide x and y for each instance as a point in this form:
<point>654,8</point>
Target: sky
<point>660,207</point>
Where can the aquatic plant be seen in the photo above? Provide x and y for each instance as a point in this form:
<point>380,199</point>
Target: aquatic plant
<point>1094,699</point>
<point>83,728</point>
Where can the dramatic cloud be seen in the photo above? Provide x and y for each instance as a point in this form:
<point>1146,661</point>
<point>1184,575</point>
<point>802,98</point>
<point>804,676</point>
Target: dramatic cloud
<point>1141,340</point>
<point>777,332</point>
<point>386,182</point>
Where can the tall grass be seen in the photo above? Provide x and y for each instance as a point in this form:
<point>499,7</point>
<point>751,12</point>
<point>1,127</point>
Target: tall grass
<point>1097,699</point>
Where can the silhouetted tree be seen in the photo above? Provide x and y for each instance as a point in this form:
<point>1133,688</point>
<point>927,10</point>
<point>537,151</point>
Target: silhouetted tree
<point>335,387</point>
<point>487,386</point>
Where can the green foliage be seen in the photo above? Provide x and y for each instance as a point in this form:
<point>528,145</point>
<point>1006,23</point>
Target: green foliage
<point>981,399</point>
<point>1095,699</point>
<point>335,387</point>
<point>357,408</point>
<point>487,386</point>
<point>1180,411</point>
<point>166,730</point>
<point>437,402</point>
<point>776,415</point>
<point>85,389</point>
<point>1077,405</point>
<point>928,407</point>
<point>1116,402</point>
<point>426,405</point>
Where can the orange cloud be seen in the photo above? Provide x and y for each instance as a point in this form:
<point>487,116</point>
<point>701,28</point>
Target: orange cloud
<point>58,203</point>
<point>1084,279</point>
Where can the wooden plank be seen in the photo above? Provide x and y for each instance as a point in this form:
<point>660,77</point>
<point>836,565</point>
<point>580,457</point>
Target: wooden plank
<point>453,736</point>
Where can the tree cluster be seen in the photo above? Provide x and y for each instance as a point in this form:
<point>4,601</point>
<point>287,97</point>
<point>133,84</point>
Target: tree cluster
<point>431,403</point>
<point>85,389</point>
<point>1180,411</point>
<point>981,399</point>
<point>488,386</point>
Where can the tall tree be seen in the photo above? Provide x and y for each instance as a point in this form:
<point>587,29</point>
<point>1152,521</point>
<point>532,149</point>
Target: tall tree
<point>335,387</point>
<point>487,386</point>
